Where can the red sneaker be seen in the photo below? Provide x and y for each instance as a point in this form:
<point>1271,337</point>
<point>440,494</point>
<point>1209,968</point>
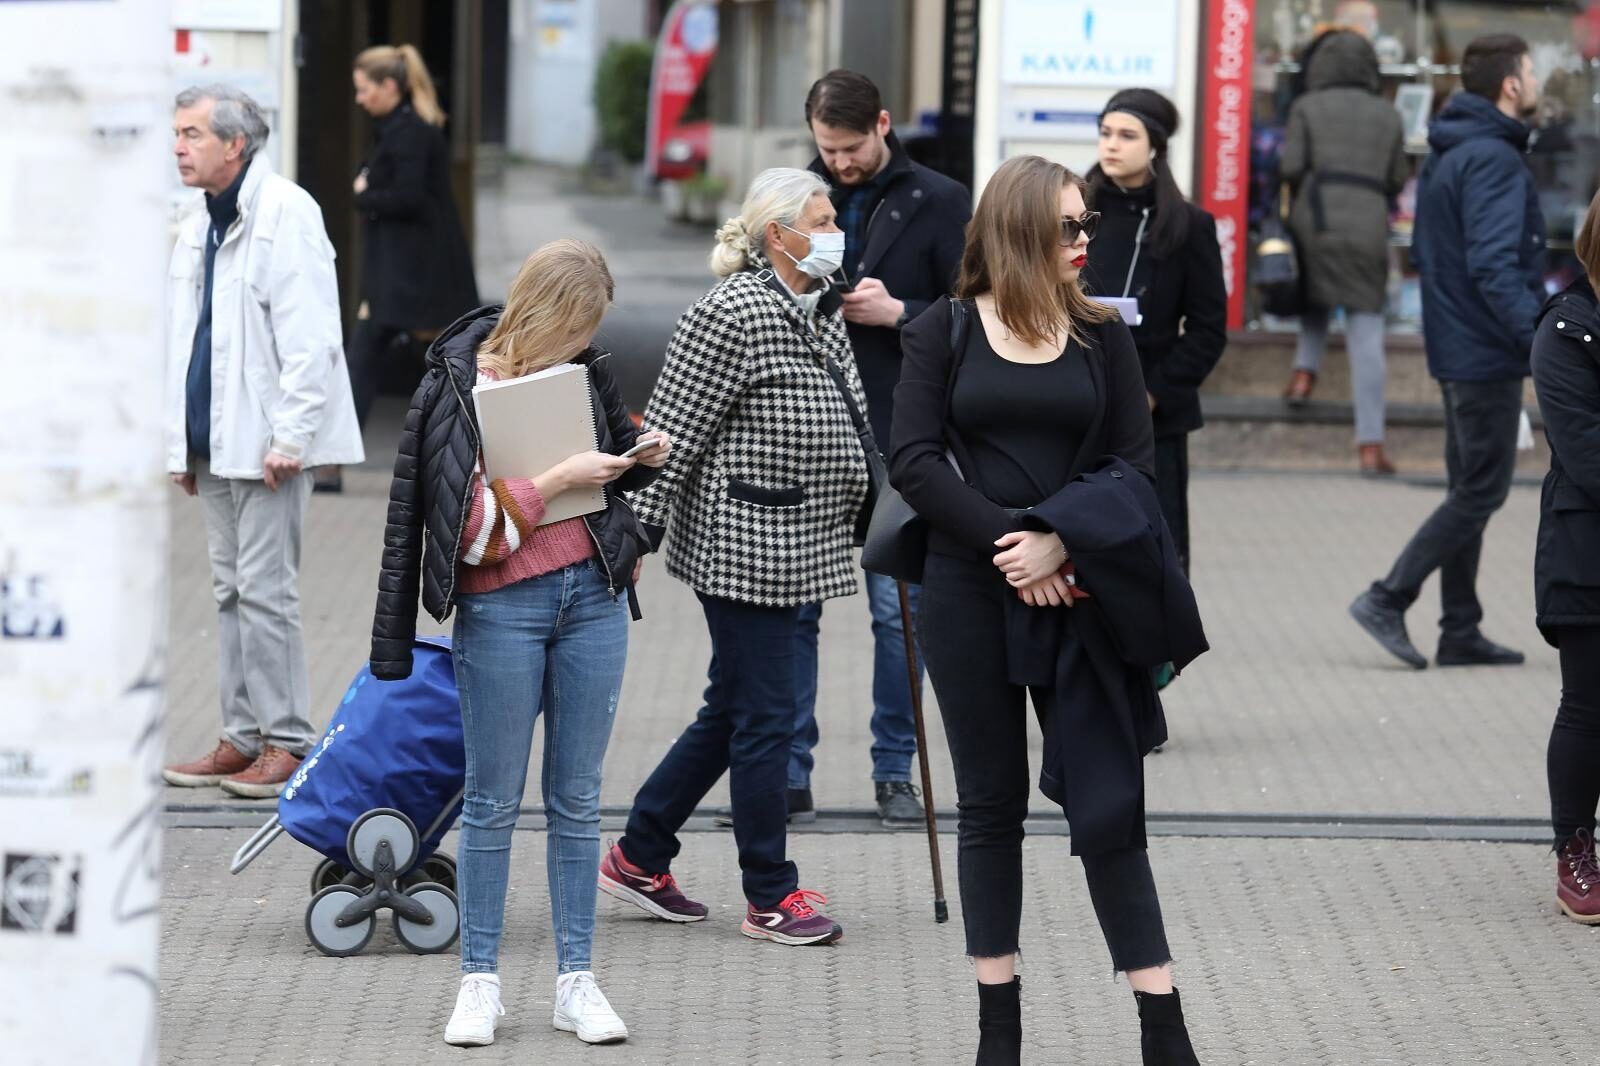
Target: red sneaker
<point>224,759</point>
<point>793,921</point>
<point>1578,879</point>
<point>655,894</point>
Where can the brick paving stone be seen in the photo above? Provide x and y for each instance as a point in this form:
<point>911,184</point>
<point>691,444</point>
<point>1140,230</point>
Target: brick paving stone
<point>1288,952</point>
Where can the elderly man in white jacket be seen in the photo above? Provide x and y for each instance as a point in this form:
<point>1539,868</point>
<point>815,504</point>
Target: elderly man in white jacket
<point>257,393</point>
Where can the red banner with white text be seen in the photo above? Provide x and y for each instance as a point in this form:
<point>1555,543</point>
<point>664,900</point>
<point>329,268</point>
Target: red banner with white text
<point>1224,138</point>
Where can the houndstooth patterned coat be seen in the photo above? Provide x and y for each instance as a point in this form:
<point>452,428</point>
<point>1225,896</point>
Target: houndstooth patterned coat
<point>767,472</point>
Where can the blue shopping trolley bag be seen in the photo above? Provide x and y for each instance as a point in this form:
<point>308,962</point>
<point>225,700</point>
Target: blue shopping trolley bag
<point>391,744</point>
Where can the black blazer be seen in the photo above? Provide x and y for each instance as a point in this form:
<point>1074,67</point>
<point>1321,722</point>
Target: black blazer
<point>963,520</point>
<point>1110,520</point>
<point>1183,303</point>
<point>914,236</point>
<point>1566,373</point>
<point>416,268</point>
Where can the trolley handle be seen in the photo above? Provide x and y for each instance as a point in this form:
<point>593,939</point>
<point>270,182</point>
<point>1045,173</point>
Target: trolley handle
<point>258,842</point>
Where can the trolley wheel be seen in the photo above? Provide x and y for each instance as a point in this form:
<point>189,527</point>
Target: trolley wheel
<point>438,868</point>
<point>430,939</point>
<point>328,937</point>
<point>327,873</point>
<point>382,823</point>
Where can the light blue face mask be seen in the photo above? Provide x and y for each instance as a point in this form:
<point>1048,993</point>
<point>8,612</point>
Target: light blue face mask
<point>826,255</point>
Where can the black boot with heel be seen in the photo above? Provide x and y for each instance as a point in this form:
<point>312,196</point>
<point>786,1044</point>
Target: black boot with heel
<point>1000,1024</point>
<point>1162,1035</point>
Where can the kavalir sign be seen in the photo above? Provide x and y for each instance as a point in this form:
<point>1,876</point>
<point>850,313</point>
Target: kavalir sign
<point>1091,43</point>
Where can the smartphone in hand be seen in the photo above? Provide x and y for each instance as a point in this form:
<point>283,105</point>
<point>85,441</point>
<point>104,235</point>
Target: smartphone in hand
<point>643,446</point>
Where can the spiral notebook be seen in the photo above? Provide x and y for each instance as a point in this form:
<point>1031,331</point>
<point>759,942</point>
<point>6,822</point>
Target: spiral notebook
<point>530,424</point>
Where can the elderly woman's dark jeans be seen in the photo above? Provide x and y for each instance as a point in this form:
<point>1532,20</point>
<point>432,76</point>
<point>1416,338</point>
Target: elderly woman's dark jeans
<point>962,633</point>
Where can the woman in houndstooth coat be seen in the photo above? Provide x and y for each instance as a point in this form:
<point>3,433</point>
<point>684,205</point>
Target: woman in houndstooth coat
<point>767,479</point>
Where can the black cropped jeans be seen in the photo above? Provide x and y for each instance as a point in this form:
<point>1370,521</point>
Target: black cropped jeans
<point>962,633</point>
<point>1573,757</point>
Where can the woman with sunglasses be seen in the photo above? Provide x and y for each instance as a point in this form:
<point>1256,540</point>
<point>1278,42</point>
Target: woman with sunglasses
<point>1159,249</point>
<point>992,419</point>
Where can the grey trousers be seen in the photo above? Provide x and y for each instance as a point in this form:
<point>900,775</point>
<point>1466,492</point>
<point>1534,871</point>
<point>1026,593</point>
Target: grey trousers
<point>1363,338</point>
<point>253,536</point>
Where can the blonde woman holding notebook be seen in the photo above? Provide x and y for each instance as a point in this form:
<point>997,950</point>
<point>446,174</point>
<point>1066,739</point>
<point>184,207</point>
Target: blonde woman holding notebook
<point>543,623</point>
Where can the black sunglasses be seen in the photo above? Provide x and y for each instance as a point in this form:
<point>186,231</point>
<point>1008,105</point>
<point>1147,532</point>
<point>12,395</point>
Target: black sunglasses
<point>1085,224</point>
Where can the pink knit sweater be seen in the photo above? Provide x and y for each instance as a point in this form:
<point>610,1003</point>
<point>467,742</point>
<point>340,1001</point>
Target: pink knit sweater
<point>502,541</point>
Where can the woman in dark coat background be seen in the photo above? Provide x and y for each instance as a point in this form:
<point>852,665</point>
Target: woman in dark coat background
<point>416,268</point>
<point>1345,157</point>
<point>1566,372</point>
<point>1158,248</point>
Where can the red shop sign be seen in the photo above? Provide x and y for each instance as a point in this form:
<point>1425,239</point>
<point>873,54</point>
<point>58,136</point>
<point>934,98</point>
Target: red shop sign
<point>1224,138</point>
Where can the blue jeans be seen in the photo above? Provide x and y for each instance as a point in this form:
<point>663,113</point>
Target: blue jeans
<point>743,729</point>
<point>894,729</point>
<point>553,645</point>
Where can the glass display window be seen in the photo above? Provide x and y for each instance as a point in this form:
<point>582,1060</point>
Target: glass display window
<point>1419,45</point>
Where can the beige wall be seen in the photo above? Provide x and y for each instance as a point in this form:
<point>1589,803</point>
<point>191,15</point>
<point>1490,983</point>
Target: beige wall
<point>927,56</point>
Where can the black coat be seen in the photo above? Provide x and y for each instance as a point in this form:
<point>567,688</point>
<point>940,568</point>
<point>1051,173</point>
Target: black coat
<point>914,237</point>
<point>1101,714</point>
<point>1183,304</point>
<point>428,496</point>
<point>416,268</point>
<point>1104,708</point>
<point>1566,372</point>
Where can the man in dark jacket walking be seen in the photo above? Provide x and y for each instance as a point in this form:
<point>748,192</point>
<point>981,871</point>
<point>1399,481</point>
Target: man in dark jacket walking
<point>904,231</point>
<point>1478,244</point>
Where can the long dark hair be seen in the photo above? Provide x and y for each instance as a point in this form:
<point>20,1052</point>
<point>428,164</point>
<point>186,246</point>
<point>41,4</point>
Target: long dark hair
<point>1169,226</point>
<point>1013,246</point>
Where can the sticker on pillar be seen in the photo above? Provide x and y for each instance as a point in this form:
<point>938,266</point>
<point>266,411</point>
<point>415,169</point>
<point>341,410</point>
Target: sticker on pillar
<point>28,610</point>
<point>40,893</point>
<point>31,774</point>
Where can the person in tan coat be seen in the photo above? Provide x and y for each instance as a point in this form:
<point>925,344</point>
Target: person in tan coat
<point>1345,158</point>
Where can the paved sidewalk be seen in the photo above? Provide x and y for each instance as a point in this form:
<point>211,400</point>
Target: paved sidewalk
<point>1290,953</point>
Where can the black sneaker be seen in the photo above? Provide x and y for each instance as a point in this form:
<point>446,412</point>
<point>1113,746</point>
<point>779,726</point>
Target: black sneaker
<point>801,809</point>
<point>1387,626</point>
<point>899,805</point>
<point>1477,650</point>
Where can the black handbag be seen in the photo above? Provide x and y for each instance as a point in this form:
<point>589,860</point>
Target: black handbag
<point>1278,279</point>
<point>896,543</point>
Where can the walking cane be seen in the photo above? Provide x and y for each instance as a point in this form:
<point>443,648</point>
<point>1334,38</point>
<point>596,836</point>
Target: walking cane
<point>941,912</point>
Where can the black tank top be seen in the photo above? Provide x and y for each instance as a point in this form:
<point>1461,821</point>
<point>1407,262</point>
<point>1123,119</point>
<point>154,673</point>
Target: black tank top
<point>1021,423</point>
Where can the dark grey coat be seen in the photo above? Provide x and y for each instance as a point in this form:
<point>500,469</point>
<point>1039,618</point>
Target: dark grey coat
<point>1345,149</point>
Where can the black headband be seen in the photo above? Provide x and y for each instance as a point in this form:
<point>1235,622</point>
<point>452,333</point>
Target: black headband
<point>1154,128</point>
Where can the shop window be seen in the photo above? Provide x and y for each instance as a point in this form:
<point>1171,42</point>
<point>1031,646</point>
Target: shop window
<point>1419,45</point>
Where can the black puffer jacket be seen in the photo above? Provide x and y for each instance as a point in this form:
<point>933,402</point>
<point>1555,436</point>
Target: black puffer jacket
<point>433,473</point>
<point>1566,371</point>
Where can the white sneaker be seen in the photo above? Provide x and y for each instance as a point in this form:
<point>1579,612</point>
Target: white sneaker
<point>583,1009</point>
<point>478,1011</point>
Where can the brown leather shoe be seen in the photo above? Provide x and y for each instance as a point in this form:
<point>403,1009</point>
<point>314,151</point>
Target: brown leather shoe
<point>265,777</point>
<point>1578,879</point>
<point>209,769</point>
<point>1373,463</point>
<point>1298,394</point>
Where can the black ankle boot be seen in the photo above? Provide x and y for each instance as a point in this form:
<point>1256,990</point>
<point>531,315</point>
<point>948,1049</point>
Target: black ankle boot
<point>1162,1035</point>
<point>1000,1024</point>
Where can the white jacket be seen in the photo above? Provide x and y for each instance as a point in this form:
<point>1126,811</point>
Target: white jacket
<point>278,376</point>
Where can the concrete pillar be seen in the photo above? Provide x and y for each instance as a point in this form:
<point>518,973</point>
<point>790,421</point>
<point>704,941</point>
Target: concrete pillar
<point>85,162</point>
